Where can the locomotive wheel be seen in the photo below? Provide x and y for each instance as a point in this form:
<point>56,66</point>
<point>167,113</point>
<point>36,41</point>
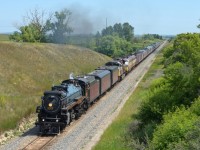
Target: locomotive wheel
<point>72,115</point>
<point>85,105</point>
<point>78,111</point>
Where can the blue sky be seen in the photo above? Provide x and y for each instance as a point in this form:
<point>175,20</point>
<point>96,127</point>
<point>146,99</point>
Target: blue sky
<point>146,16</point>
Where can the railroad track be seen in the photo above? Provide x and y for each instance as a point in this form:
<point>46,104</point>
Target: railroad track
<point>39,143</point>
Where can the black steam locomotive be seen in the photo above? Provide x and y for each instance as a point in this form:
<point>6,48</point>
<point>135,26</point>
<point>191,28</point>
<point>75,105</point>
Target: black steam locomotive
<point>70,99</point>
<point>60,106</point>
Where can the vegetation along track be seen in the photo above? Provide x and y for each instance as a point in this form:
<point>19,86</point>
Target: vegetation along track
<point>84,133</point>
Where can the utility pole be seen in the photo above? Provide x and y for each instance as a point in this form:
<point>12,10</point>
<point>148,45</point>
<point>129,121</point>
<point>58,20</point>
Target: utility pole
<point>106,23</point>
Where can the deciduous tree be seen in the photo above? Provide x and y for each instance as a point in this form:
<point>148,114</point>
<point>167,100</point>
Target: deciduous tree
<point>35,27</point>
<point>128,31</point>
<point>59,26</point>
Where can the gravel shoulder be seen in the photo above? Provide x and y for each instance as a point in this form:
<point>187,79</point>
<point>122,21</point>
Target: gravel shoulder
<point>86,132</point>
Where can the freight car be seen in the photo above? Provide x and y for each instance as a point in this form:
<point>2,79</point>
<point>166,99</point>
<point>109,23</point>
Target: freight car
<point>70,99</point>
<point>114,72</point>
<point>104,77</point>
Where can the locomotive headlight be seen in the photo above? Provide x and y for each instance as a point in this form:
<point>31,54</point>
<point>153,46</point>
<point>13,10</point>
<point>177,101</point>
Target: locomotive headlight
<point>50,104</point>
<point>42,119</point>
<point>56,120</point>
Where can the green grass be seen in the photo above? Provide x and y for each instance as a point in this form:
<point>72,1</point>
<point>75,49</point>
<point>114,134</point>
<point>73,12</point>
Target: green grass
<point>116,136</point>
<point>27,70</point>
<point>4,37</point>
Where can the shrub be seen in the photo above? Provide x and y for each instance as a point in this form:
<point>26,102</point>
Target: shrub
<point>173,129</point>
<point>158,102</point>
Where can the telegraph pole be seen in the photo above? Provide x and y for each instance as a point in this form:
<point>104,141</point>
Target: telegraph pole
<point>106,23</point>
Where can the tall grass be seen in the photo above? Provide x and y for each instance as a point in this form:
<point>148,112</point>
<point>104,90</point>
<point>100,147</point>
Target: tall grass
<point>27,70</point>
<point>117,134</point>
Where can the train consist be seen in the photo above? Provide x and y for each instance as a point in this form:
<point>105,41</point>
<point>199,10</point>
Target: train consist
<point>72,98</point>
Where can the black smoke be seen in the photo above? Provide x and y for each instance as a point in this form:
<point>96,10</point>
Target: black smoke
<point>87,20</point>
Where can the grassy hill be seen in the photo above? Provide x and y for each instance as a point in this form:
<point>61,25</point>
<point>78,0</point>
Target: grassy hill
<point>27,70</point>
<point>4,37</point>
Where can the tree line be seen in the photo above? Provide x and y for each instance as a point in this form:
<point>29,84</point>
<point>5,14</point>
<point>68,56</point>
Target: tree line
<point>152,36</point>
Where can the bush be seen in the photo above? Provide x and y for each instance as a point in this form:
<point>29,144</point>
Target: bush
<point>158,102</point>
<point>173,129</point>
<point>191,139</point>
<point>113,46</point>
<point>195,107</point>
